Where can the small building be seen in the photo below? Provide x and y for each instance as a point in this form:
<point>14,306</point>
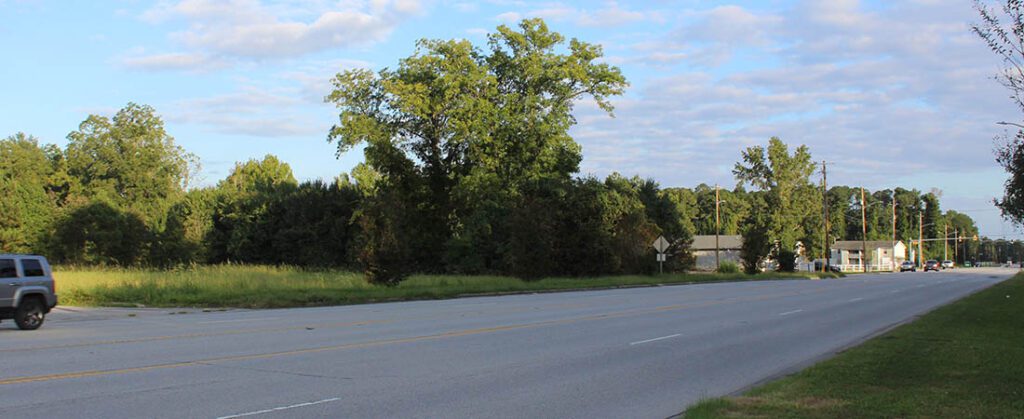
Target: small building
<point>882,255</point>
<point>703,248</point>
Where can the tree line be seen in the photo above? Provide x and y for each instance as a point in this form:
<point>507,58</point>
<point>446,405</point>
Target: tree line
<point>468,169</point>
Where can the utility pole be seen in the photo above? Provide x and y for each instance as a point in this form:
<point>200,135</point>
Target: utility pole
<point>893,258</point>
<point>920,238</point>
<point>864,233</point>
<point>824,199</point>
<point>945,241</point>
<point>956,246</point>
<point>717,228</point>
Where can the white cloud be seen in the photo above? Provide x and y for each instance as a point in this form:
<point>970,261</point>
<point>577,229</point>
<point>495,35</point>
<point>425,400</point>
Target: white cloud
<point>254,111</point>
<point>257,30</point>
<point>878,91</point>
<point>314,78</point>
<point>170,61</point>
<point>609,16</point>
<point>509,17</point>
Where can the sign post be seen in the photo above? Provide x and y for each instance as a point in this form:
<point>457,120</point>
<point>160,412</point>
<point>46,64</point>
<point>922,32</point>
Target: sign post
<point>661,245</point>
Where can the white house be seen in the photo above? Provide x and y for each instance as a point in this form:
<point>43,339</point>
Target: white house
<point>882,255</point>
<point>703,248</point>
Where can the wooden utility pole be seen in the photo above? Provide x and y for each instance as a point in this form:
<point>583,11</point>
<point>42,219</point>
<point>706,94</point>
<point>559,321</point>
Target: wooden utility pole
<point>864,233</point>
<point>956,247</point>
<point>920,238</point>
<point>717,228</point>
<point>945,241</point>
<point>824,199</point>
<point>893,258</point>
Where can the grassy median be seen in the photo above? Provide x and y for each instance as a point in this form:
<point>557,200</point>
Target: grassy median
<point>268,286</point>
<point>959,361</point>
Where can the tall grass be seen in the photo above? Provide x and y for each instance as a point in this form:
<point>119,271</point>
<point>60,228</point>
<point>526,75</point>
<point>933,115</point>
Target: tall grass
<point>273,286</point>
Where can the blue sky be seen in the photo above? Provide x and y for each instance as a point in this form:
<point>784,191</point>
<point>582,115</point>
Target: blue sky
<point>894,93</point>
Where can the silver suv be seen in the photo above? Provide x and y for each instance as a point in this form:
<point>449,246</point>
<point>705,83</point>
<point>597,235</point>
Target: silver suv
<point>27,290</point>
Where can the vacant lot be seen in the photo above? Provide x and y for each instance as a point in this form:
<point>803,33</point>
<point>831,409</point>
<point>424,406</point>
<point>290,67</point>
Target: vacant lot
<point>265,286</point>
<point>962,360</point>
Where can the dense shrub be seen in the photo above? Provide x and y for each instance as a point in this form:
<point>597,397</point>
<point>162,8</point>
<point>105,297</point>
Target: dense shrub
<point>728,267</point>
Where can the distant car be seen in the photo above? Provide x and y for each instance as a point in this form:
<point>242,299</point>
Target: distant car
<point>908,266</point>
<point>931,265</point>
<point>26,290</point>
<point>947,264</point>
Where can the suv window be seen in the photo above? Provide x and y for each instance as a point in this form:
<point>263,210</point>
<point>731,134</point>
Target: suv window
<point>32,267</point>
<point>7,269</point>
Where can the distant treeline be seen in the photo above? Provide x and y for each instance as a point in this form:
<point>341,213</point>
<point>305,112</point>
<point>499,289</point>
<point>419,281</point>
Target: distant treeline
<point>469,168</point>
<point>119,195</point>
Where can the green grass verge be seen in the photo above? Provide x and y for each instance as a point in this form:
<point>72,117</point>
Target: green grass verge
<point>963,360</point>
<point>267,286</point>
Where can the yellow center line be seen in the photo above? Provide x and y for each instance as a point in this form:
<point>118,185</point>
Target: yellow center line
<point>359,345</point>
<point>193,336</point>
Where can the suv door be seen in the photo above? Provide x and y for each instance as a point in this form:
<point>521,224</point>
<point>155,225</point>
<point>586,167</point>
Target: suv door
<point>9,282</point>
<point>32,272</point>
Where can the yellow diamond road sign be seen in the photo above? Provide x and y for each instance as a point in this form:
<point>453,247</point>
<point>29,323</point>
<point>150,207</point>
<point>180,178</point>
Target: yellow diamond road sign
<point>661,245</point>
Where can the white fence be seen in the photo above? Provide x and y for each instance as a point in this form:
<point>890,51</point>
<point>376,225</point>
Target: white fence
<point>870,268</point>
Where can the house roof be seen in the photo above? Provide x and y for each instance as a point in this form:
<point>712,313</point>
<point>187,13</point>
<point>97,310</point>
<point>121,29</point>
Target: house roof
<point>859,245</point>
<point>725,242</point>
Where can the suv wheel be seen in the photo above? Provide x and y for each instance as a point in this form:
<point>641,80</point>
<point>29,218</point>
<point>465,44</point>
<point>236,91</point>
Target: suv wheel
<point>30,314</point>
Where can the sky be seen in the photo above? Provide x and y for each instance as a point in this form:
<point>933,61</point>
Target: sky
<point>889,93</point>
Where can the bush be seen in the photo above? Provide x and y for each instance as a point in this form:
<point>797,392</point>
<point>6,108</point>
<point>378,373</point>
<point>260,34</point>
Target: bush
<point>787,261</point>
<point>728,268</point>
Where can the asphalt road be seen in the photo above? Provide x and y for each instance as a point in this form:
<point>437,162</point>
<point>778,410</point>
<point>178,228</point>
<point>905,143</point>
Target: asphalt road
<point>643,352</point>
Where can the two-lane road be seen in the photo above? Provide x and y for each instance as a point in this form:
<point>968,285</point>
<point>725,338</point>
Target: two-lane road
<point>642,352</point>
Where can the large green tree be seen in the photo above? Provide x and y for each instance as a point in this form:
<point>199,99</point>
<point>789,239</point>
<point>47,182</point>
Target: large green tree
<point>457,130</point>
<point>244,223</point>
<point>130,162</point>
<point>28,206</point>
<point>792,201</point>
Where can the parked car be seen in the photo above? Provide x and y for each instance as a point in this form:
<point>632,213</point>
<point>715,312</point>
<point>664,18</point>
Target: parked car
<point>947,264</point>
<point>27,290</point>
<point>931,265</point>
<point>908,266</point>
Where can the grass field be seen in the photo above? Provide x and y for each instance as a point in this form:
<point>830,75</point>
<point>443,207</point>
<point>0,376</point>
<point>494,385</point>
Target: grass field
<point>963,360</point>
<point>267,286</point>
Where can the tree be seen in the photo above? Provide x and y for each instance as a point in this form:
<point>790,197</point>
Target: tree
<point>130,162</point>
<point>792,201</point>
<point>1010,155</point>
<point>456,130</point>
<point>99,234</point>
<point>244,222</point>
<point>757,243</point>
<point>1008,43</point>
<point>932,222</point>
<point>27,209</point>
<point>731,211</point>
<point>188,233</point>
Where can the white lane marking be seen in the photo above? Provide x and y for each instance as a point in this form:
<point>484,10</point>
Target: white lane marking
<point>894,291</point>
<point>239,320</point>
<point>921,286</point>
<point>656,339</point>
<point>856,299</point>
<point>790,312</point>
<point>278,409</point>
